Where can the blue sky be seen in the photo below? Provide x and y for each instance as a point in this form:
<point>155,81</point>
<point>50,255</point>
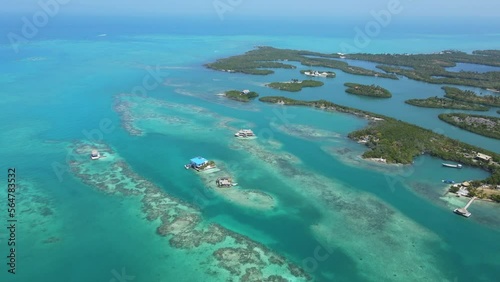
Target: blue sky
<point>412,9</point>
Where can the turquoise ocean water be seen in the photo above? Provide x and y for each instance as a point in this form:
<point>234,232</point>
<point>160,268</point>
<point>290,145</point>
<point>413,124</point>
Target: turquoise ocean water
<point>373,222</point>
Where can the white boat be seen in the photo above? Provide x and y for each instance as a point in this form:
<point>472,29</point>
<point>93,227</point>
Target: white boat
<point>244,133</point>
<point>452,165</point>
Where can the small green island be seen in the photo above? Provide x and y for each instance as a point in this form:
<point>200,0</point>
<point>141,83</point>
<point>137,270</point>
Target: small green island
<point>315,73</point>
<point>444,103</point>
<point>395,141</point>
<point>295,85</point>
<point>471,97</point>
<point>482,125</point>
<point>242,96</point>
<point>367,90</point>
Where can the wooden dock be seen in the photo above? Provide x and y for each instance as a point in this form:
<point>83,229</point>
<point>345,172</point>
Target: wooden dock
<point>469,203</point>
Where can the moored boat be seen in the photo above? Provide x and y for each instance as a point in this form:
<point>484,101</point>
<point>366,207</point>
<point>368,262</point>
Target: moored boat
<point>452,165</point>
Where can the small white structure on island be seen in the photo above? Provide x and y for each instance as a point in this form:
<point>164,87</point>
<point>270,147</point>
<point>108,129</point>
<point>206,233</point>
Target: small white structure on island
<point>483,157</point>
<point>316,73</point>
<point>245,92</point>
<point>95,155</point>
<point>225,182</point>
<point>462,191</point>
<point>244,133</point>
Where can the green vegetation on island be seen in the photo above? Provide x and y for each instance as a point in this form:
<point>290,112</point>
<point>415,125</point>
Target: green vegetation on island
<point>261,60</point>
<point>367,90</point>
<point>294,85</point>
<point>431,68</point>
<point>242,96</point>
<point>471,97</point>
<point>475,189</point>
<point>315,73</point>
<point>209,164</point>
<point>400,142</point>
<point>443,103</point>
<point>495,197</point>
<point>482,125</point>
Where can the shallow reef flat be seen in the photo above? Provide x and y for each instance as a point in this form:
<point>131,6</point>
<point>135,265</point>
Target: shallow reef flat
<point>227,255</point>
<point>156,120</point>
<point>249,198</point>
<point>213,95</point>
<point>306,131</point>
<point>365,228</point>
<point>380,232</point>
<point>140,115</point>
<point>360,225</point>
<point>39,214</point>
<point>353,157</point>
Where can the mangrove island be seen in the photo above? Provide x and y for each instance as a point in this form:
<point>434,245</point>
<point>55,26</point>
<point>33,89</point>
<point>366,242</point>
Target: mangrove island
<point>482,125</point>
<point>399,142</point>
<point>432,68</point>
<point>242,96</point>
<point>261,60</point>
<point>471,97</point>
<point>443,103</point>
<point>367,90</point>
<point>294,85</point>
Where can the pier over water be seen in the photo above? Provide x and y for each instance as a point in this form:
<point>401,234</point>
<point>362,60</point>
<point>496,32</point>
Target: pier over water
<point>463,211</point>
